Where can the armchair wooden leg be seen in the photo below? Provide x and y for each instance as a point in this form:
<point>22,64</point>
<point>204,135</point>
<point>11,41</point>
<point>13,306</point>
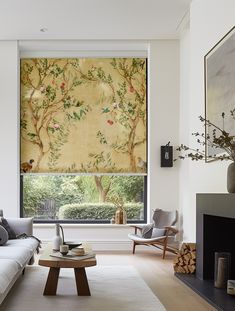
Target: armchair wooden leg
<point>164,249</point>
<point>164,253</point>
<point>134,245</point>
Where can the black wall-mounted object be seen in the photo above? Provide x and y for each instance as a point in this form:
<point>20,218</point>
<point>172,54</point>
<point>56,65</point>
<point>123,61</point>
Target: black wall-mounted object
<point>167,155</point>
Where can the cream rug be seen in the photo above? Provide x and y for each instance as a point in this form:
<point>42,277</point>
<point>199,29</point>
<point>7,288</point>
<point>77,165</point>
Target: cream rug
<point>113,288</point>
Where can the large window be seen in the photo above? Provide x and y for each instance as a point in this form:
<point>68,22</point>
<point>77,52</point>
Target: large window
<point>83,138</point>
<point>82,198</point>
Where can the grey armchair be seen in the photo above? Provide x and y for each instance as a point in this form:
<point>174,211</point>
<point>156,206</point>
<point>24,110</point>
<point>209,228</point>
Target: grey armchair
<point>161,233</point>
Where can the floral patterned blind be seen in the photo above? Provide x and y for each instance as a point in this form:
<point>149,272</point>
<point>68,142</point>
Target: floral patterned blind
<point>83,115</point>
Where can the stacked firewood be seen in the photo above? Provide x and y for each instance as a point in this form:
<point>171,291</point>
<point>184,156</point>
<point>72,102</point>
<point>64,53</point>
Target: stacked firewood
<point>185,261</point>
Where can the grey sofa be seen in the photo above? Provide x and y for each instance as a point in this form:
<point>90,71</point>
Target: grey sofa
<point>16,254</point>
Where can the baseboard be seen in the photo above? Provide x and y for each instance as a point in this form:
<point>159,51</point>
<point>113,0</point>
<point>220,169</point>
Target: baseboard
<point>107,245</point>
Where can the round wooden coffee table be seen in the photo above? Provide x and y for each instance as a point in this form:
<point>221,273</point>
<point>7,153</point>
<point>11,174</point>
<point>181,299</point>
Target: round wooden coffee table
<point>56,263</point>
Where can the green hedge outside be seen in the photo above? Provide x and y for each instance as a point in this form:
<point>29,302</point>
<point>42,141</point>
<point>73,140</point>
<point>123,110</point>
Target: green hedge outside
<point>98,211</point>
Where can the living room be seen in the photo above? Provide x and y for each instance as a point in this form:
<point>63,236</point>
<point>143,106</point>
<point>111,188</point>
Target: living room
<point>169,39</point>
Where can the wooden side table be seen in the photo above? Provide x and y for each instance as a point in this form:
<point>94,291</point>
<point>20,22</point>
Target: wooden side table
<point>56,263</point>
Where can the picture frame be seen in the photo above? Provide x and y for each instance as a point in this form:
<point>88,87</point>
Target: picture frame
<point>219,77</point>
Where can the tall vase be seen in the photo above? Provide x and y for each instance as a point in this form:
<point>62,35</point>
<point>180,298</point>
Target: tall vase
<point>57,240</point>
<point>120,216</point>
<point>231,178</point>
<point>222,269</point>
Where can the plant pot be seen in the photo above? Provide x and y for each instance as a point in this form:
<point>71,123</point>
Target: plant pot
<point>231,178</point>
<point>120,216</point>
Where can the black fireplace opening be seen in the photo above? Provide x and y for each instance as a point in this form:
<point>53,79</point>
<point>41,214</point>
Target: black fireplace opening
<point>218,236</point>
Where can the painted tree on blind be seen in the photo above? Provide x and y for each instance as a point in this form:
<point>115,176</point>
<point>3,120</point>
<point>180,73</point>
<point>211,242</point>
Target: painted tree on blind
<point>126,106</point>
<point>48,106</point>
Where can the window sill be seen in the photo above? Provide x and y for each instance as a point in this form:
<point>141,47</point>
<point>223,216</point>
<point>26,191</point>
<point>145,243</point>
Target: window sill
<point>77,225</point>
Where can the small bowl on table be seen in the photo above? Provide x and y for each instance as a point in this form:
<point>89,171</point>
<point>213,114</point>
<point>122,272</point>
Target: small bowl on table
<point>72,245</point>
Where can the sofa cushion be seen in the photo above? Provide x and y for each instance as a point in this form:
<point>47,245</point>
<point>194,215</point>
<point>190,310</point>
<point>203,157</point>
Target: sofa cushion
<point>21,255</point>
<point>21,225</point>
<point>8,270</point>
<point>29,243</point>
<point>3,236</point>
<point>5,224</point>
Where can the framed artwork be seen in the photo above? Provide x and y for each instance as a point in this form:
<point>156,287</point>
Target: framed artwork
<point>83,115</point>
<point>219,65</point>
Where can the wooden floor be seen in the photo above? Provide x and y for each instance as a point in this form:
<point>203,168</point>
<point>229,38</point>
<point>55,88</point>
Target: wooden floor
<point>159,276</point>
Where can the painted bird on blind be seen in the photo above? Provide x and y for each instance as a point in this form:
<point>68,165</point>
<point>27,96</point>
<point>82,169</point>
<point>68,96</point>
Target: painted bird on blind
<point>27,166</point>
<point>141,164</point>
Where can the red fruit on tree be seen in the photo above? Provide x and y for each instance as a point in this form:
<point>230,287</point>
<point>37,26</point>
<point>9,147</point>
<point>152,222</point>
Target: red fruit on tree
<point>110,122</point>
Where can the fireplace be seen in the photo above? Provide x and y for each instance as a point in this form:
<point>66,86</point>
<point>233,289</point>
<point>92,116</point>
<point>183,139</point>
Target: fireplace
<point>215,232</point>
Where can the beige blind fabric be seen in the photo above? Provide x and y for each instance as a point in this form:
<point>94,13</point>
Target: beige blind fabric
<point>83,115</point>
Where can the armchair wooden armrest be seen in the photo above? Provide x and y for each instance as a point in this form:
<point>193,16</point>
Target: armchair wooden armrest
<point>137,227</point>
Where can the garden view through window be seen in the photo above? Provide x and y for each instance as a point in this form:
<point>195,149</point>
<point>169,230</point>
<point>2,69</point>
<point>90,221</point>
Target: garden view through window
<point>79,198</point>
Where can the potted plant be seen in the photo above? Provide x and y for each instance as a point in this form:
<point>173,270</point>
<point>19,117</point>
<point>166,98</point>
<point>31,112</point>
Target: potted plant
<point>221,141</point>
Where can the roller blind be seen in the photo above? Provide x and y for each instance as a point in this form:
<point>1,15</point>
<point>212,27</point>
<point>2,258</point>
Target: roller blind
<point>83,115</point>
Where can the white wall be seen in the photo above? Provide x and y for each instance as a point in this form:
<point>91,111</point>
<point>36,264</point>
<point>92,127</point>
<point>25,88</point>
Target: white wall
<point>210,20</point>
<point>184,130</point>
<point>9,177</point>
<point>163,122</point>
<point>163,126</point>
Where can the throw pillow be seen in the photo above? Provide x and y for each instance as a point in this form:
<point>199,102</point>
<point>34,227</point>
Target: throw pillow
<point>3,235</point>
<point>147,231</point>
<point>11,232</point>
<point>156,233</point>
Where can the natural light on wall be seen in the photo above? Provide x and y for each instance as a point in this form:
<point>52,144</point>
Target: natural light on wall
<point>82,117</point>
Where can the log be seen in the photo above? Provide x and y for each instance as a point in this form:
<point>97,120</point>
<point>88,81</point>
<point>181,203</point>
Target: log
<point>185,261</point>
<point>192,269</point>
<point>192,262</point>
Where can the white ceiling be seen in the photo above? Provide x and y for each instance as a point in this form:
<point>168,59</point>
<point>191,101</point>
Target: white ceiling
<point>91,19</point>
